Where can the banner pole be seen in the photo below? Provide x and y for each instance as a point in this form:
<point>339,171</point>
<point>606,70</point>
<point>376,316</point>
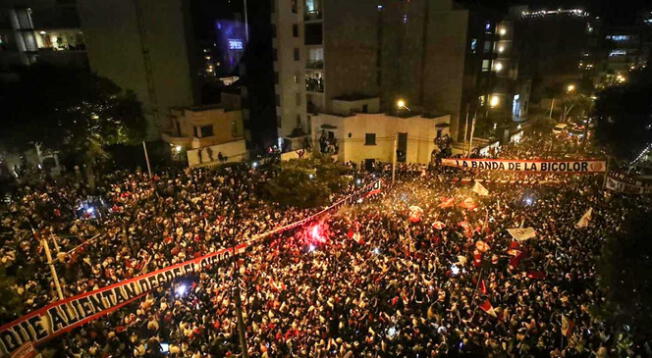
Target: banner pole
<point>48,255</point>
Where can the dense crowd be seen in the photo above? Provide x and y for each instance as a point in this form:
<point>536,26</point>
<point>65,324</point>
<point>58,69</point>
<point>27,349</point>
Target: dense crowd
<point>375,279</point>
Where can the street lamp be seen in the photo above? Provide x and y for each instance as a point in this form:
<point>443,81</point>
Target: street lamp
<point>494,101</point>
<point>571,88</point>
<point>401,104</point>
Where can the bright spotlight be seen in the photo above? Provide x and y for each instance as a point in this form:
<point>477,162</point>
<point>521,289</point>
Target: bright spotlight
<point>181,290</point>
<point>254,165</point>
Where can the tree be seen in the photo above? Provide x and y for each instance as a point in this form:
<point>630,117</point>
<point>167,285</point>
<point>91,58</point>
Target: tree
<point>625,277</point>
<point>624,116</point>
<point>71,111</point>
<point>306,182</point>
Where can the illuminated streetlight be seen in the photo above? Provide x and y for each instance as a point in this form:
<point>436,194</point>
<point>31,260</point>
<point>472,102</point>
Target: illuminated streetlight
<point>401,103</point>
<point>570,88</point>
<point>494,101</point>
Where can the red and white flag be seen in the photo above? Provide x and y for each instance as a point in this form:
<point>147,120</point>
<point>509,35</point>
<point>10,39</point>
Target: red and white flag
<point>488,308</point>
<point>585,219</point>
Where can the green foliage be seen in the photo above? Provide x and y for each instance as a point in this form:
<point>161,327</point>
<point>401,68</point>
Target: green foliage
<point>624,117</point>
<point>625,277</point>
<point>306,183</point>
<point>69,110</point>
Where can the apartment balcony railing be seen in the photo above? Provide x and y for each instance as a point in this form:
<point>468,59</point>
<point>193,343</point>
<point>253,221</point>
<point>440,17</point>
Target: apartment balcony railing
<point>314,15</point>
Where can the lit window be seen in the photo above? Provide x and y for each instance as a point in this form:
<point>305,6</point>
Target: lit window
<point>494,101</point>
<point>474,45</point>
<point>485,65</point>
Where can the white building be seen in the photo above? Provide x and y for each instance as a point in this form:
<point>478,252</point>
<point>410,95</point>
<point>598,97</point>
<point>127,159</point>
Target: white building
<point>360,137</point>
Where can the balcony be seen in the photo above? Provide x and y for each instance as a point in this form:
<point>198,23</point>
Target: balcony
<point>314,15</point>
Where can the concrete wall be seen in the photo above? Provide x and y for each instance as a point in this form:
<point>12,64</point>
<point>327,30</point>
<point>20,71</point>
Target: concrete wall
<point>160,77</point>
<point>235,151</point>
<point>445,54</point>
<point>291,73</point>
<point>350,49</point>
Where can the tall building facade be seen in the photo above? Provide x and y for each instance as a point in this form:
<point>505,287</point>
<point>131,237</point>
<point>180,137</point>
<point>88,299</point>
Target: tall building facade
<point>437,56</point>
<point>40,31</point>
<point>144,46</point>
<point>558,47</point>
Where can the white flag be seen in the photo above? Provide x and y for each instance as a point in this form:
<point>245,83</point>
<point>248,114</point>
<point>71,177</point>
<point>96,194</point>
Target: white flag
<point>480,189</point>
<point>585,219</point>
<point>522,234</point>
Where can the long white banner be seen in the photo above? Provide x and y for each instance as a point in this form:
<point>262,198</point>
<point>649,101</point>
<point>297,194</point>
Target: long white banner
<point>541,166</point>
<point>64,315</point>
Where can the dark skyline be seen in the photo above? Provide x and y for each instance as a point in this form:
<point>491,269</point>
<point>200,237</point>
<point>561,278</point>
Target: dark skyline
<point>612,11</point>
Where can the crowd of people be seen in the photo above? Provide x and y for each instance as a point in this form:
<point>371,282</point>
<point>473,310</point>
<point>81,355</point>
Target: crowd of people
<point>426,268</point>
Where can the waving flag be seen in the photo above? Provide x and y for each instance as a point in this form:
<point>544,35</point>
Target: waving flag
<point>480,189</point>
<point>488,308</point>
<point>522,234</point>
<point>468,204</point>
<point>567,326</point>
<point>447,203</point>
<point>585,219</point>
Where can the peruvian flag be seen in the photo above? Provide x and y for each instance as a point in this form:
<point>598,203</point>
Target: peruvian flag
<point>567,326</point>
<point>447,203</point>
<point>488,308</point>
<point>514,249</point>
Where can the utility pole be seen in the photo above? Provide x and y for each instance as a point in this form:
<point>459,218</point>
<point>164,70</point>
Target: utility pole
<point>149,167</point>
<point>466,123</point>
<point>394,159</point>
<point>475,116</point>
<point>48,255</point>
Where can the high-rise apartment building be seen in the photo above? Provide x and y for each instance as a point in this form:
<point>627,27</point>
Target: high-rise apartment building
<point>558,47</point>
<point>40,31</point>
<point>144,46</point>
<point>437,56</point>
